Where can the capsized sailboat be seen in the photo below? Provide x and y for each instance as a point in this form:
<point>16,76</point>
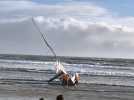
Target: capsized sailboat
<point>60,70</point>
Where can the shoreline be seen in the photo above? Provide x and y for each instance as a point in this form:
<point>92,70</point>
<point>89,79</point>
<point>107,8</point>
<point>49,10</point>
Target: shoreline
<point>49,92</point>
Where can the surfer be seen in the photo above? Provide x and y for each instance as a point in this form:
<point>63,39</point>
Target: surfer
<point>64,77</point>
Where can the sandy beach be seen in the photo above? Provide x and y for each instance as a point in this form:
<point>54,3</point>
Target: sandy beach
<point>12,90</point>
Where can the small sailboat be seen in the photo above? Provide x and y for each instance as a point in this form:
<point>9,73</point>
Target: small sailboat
<point>60,70</point>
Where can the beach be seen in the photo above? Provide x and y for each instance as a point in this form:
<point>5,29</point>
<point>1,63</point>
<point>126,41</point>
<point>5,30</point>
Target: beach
<point>45,44</point>
<point>100,79</point>
<point>17,91</point>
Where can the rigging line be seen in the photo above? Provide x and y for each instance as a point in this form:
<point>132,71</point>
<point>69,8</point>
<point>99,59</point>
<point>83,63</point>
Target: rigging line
<point>44,38</point>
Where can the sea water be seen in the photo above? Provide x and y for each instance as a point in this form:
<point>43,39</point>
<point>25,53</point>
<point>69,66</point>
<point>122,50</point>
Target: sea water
<point>96,75</point>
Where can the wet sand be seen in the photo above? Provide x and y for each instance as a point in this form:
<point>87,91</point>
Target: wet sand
<point>10,90</point>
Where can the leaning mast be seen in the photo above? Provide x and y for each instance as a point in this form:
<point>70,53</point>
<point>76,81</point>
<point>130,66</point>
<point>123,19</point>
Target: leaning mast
<point>44,38</point>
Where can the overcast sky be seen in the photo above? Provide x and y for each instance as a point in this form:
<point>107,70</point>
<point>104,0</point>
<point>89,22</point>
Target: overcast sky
<point>89,28</point>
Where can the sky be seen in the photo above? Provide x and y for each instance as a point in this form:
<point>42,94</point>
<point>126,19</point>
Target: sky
<point>84,28</point>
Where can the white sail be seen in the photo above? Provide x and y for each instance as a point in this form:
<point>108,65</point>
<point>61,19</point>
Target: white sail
<point>60,68</point>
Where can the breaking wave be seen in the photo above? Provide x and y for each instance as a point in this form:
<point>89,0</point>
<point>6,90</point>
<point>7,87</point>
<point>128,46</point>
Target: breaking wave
<point>95,72</point>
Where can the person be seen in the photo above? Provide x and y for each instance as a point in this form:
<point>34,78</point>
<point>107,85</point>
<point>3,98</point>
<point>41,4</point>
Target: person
<point>41,99</point>
<point>69,80</point>
<point>64,77</point>
<point>60,97</point>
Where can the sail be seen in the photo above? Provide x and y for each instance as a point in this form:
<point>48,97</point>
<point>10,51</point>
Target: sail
<point>60,68</point>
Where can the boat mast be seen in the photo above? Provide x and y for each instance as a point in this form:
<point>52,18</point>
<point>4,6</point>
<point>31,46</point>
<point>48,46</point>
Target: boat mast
<point>44,38</point>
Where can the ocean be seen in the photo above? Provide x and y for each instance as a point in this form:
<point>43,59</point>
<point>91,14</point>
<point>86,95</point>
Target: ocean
<point>24,77</point>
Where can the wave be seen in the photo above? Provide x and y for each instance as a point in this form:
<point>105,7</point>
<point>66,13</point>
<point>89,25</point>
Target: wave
<point>90,73</point>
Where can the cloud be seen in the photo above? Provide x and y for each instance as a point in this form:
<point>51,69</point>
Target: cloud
<point>85,28</point>
<point>101,35</point>
<point>29,8</point>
